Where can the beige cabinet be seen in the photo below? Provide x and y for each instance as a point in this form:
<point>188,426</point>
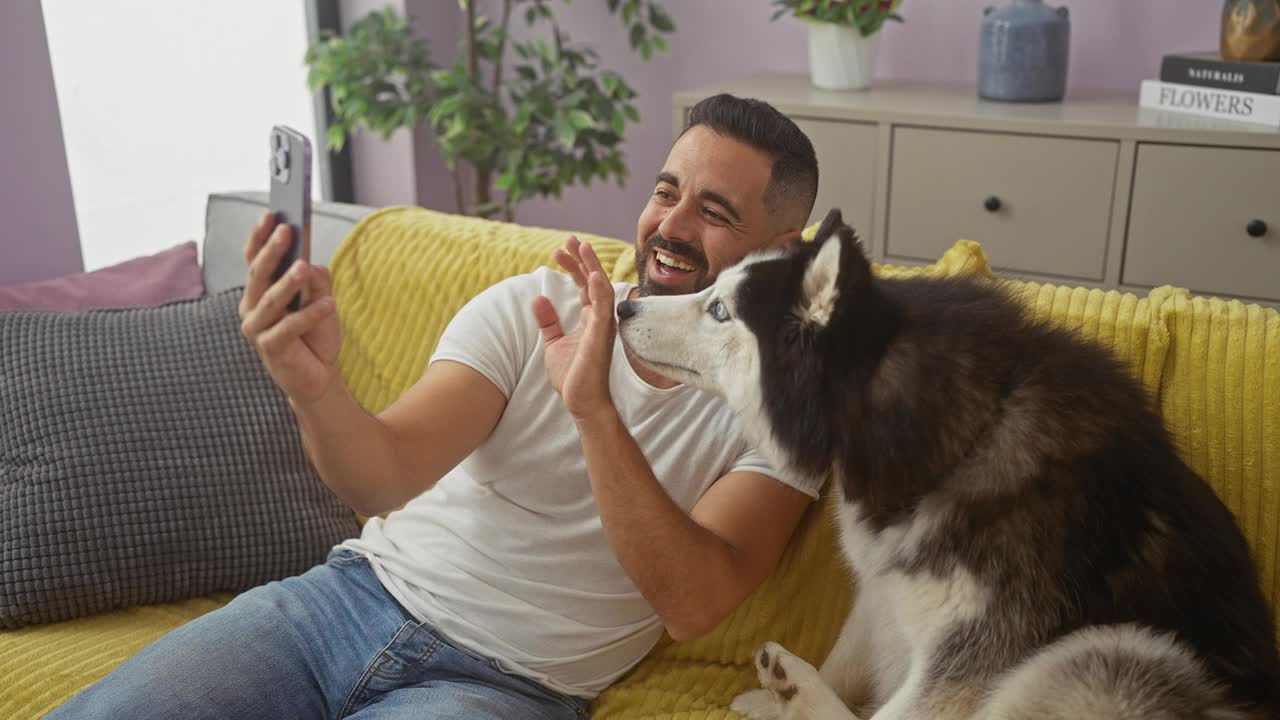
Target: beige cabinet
<point>845,179</point>
<point>1039,205</point>
<point>1090,191</point>
<point>1207,219</point>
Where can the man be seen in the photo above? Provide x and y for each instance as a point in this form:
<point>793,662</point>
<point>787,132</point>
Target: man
<point>580,503</point>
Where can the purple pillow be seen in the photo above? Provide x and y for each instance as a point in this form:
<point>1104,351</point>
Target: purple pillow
<point>172,274</point>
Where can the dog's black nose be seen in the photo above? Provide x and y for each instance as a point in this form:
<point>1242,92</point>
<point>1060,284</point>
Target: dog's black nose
<point>626,309</point>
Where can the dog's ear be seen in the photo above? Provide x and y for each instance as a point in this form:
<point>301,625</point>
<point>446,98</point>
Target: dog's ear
<point>820,281</point>
<point>839,265</point>
<point>829,224</point>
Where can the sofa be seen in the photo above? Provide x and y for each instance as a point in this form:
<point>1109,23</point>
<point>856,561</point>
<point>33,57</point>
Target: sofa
<point>1212,367</point>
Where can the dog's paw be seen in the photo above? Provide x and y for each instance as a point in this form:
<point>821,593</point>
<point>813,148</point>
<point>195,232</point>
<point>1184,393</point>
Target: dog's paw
<point>792,690</point>
<point>757,705</point>
<point>784,674</point>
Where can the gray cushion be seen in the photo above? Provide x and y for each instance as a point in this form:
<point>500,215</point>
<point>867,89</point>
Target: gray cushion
<point>146,456</point>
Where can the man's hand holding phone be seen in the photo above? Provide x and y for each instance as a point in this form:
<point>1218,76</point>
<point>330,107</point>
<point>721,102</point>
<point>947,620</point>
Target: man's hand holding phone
<point>299,348</point>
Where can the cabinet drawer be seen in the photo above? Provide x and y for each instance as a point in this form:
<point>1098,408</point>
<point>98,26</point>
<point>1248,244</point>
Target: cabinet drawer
<point>847,170</point>
<point>1036,204</point>
<point>1189,223</point>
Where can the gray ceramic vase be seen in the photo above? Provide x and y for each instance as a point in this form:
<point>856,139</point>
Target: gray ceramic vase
<point>1024,52</point>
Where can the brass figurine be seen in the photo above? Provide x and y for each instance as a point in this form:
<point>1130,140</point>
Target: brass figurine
<point>1251,30</point>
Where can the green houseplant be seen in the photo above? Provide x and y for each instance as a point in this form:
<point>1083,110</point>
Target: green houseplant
<point>527,117</point>
<point>844,38</point>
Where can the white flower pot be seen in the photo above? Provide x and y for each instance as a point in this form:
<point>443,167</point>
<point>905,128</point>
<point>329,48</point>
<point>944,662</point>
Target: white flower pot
<point>840,58</point>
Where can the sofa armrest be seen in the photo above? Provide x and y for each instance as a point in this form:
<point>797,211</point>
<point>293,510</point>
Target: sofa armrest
<point>229,217</point>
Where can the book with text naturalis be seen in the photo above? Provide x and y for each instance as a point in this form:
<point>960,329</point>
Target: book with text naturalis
<point>1211,70</point>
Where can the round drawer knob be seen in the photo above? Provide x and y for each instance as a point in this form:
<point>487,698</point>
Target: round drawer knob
<point>992,203</point>
<point>1256,228</point>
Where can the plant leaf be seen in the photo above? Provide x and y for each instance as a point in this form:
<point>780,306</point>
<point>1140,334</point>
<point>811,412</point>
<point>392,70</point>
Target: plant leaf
<point>637,35</point>
<point>337,137</point>
<point>610,83</point>
<point>565,131</point>
<point>581,119</point>
<point>660,20</point>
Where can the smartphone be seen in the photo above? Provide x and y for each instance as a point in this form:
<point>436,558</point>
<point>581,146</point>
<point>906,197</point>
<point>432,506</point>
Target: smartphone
<point>290,166</point>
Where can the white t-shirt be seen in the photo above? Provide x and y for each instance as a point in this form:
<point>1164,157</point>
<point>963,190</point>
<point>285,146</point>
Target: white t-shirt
<point>506,555</point>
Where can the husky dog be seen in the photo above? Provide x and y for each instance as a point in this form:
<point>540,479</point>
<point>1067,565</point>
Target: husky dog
<point>1026,542</point>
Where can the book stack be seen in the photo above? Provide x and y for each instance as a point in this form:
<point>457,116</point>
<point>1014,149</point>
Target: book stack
<point>1205,84</point>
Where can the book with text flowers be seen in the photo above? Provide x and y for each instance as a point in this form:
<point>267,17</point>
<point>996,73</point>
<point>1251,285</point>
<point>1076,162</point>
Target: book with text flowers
<point>1218,103</point>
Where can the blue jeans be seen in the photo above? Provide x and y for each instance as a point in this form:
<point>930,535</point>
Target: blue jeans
<point>330,643</point>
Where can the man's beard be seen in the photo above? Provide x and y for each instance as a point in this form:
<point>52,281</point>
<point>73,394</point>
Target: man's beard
<point>688,253</point>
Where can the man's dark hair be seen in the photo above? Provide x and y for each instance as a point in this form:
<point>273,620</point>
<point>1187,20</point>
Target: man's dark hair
<point>794,177</point>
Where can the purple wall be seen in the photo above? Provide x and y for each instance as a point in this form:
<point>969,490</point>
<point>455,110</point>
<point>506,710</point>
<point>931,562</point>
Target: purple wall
<point>406,169</point>
<point>38,236</point>
<point>1115,44</point>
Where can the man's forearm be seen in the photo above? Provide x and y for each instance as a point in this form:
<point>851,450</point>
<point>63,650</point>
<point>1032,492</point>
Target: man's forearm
<point>352,450</point>
<point>676,563</point>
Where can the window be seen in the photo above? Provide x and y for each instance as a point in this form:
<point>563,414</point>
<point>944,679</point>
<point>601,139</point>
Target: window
<point>163,103</point>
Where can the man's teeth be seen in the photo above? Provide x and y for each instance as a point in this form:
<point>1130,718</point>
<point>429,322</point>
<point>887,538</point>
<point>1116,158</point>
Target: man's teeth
<point>671,261</point>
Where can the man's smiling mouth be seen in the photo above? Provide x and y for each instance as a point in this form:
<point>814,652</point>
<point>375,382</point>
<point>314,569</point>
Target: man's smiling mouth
<point>672,261</point>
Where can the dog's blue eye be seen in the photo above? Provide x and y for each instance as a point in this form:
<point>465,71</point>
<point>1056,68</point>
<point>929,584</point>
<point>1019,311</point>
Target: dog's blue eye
<point>718,311</point>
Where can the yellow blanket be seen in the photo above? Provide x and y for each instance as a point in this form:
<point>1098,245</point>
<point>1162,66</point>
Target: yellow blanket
<point>1212,367</point>
<point>1221,400</point>
<point>44,665</point>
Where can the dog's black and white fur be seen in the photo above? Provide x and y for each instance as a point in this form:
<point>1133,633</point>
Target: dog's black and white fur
<point>1026,542</point>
